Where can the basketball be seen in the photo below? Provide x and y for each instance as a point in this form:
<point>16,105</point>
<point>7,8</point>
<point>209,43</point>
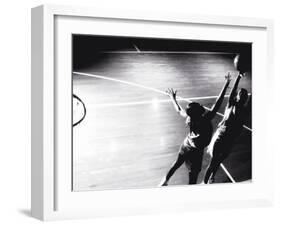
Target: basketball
<point>241,63</point>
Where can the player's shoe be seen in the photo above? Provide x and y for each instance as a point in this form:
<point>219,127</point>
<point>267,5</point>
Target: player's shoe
<point>211,180</point>
<point>164,182</point>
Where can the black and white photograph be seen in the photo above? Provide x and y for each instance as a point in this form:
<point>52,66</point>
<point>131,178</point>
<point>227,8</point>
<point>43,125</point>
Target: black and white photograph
<point>151,112</point>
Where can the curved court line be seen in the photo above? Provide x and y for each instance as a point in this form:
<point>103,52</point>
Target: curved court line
<point>161,92</point>
<point>120,81</point>
<point>84,110</point>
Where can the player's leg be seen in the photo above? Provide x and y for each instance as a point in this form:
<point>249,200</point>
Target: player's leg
<point>220,159</point>
<point>195,166</point>
<point>193,176</point>
<point>216,151</point>
<point>174,167</point>
<point>212,170</point>
<point>215,164</point>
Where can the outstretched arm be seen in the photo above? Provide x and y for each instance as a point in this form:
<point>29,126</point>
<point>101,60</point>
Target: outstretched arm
<point>234,89</point>
<point>172,94</point>
<point>219,100</point>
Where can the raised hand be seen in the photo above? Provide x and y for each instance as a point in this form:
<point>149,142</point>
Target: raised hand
<point>242,74</point>
<point>228,77</point>
<point>171,93</point>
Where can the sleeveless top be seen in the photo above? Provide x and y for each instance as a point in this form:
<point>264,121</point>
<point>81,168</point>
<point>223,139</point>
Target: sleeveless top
<point>200,132</point>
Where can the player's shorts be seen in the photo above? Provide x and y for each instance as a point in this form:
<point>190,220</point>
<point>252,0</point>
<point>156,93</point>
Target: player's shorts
<point>192,157</point>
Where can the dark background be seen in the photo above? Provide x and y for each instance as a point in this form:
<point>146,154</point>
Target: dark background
<point>87,49</point>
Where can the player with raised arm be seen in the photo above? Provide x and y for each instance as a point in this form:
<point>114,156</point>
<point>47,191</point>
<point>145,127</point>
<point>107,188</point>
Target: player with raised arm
<point>228,129</point>
<point>200,132</point>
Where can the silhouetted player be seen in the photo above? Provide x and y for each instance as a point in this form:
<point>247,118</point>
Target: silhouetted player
<point>199,136</point>
<point>228,129</point>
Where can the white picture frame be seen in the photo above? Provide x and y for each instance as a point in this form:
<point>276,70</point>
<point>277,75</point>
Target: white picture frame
<point>52,197</point>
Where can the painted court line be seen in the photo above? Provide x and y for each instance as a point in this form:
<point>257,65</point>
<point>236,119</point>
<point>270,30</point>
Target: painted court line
<point>152,89</point>
<point>227,173</point>
<point>138,85</point>
<point>156,101</point>
<point>161,92</point>
<point>138,50</point>
<point>152,101</point>
<point>120,81</point>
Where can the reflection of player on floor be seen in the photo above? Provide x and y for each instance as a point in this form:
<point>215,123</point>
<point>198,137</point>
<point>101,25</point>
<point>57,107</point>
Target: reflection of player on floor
<point>199,136</point>
<point>228,129</point>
